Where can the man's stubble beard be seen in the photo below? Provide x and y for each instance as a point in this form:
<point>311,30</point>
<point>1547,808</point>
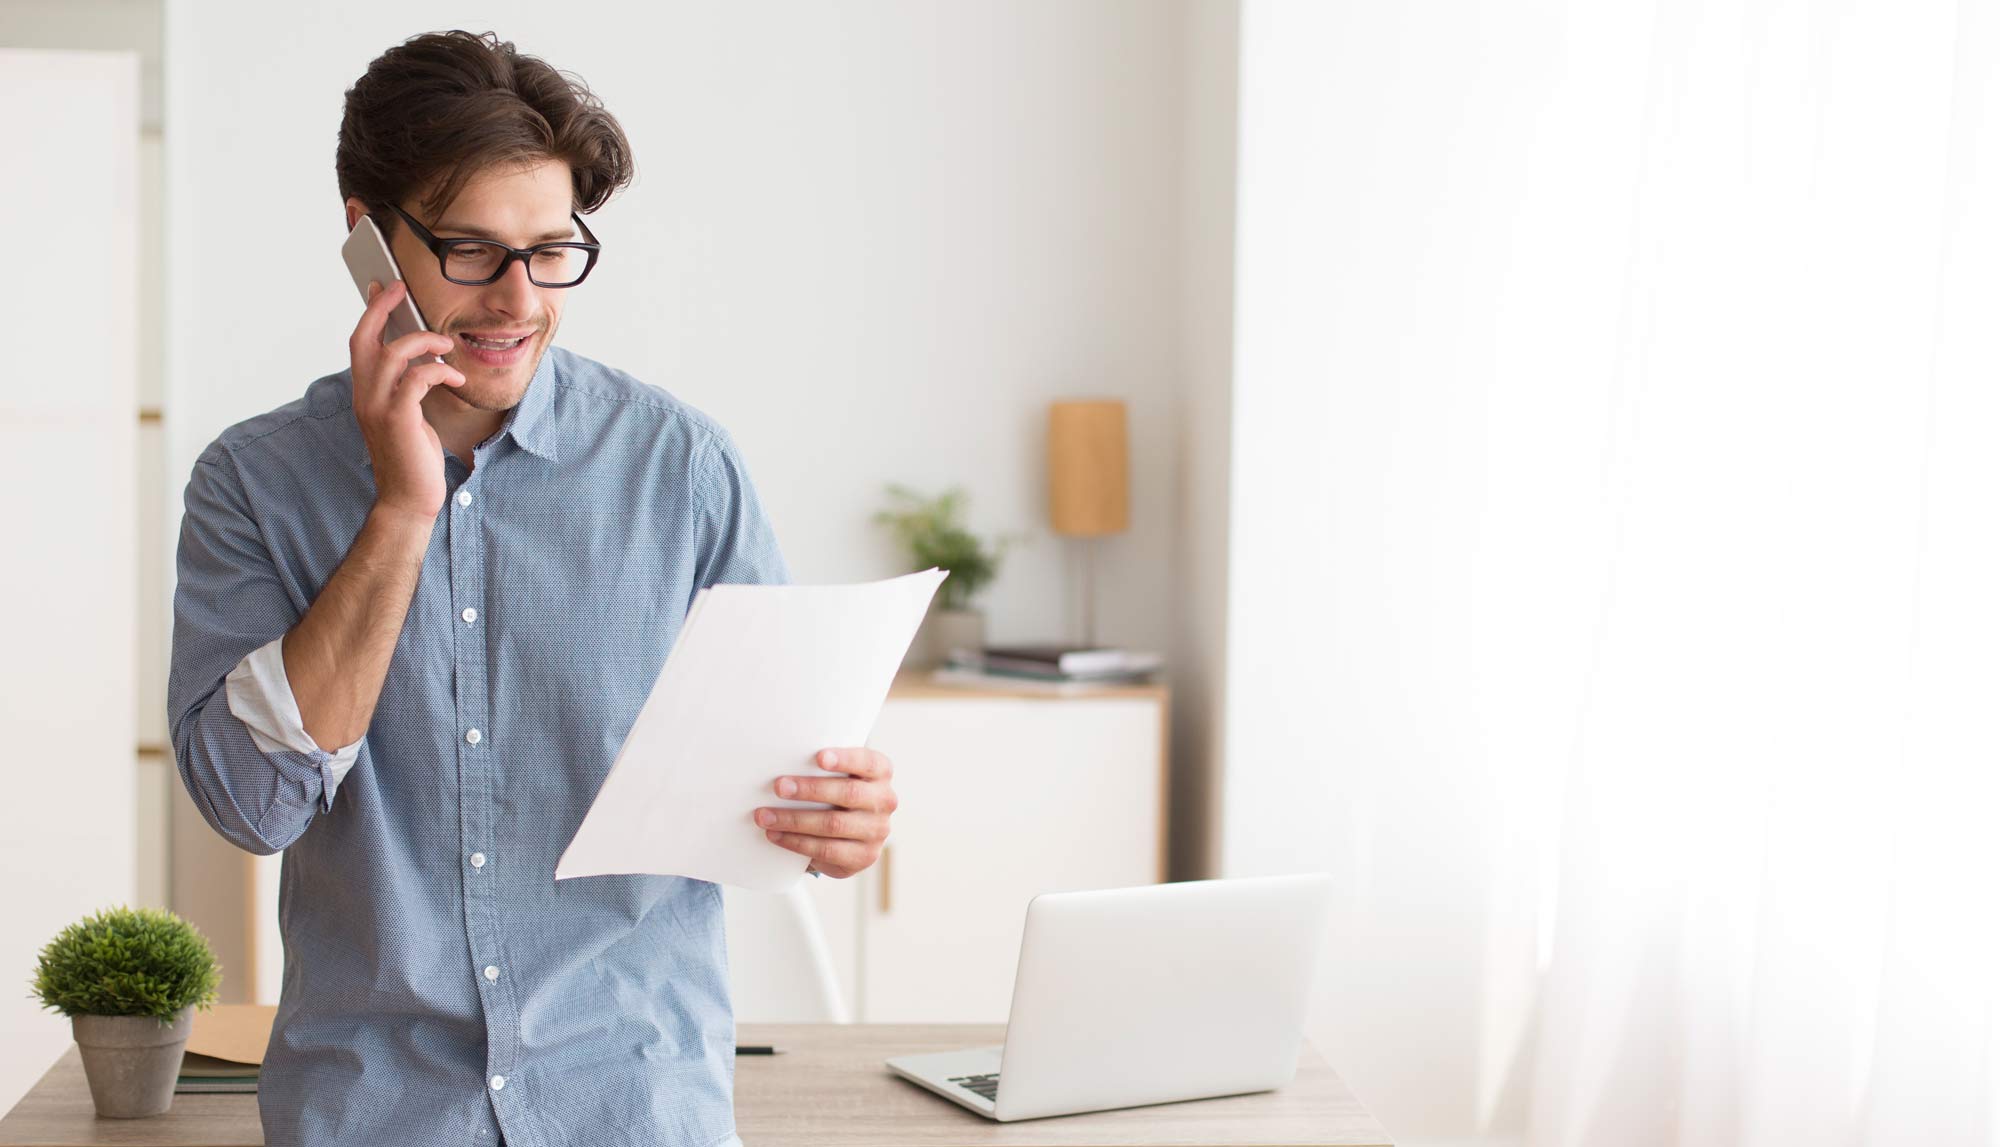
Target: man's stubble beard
<point>480,393</point>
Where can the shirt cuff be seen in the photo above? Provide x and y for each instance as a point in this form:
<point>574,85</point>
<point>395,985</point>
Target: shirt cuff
<point>260,696</point>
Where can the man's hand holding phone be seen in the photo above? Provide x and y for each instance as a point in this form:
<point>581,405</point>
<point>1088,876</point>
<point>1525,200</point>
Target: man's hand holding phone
<point>407,455</point>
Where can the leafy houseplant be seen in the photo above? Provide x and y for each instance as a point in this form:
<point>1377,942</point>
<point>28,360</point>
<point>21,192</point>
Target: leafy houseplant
<point>129,979</point>
<point>932,530</point>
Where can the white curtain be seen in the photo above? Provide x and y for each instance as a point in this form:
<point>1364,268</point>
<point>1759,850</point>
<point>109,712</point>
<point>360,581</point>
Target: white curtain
<point>1698,675</point>
<point>1777,881</point>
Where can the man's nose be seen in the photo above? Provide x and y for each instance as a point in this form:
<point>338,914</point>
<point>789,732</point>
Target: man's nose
<point>513,293</point>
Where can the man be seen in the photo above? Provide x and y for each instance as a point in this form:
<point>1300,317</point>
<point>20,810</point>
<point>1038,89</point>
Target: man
<point>419,608</point>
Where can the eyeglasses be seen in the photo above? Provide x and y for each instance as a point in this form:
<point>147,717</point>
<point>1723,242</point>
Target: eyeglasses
<point>476,262</point>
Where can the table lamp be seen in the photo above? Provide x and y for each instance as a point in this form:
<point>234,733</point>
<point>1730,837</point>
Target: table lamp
<point>1089,484</point>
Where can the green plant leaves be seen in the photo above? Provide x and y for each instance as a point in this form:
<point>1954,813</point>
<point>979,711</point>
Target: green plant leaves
<point>127,962</point>
<point>931,529</point>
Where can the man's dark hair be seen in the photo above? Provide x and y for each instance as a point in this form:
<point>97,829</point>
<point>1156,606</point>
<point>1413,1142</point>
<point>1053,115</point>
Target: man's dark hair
<point>443,107</point>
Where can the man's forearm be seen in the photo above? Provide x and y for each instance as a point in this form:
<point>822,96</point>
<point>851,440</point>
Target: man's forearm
<point>337,656</point>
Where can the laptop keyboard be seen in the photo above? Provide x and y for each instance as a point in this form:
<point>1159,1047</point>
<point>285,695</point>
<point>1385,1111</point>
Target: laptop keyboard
<point>983,1086</point>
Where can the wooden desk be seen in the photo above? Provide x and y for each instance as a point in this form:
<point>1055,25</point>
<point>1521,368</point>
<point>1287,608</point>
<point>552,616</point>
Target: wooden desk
<point>829,1089</point>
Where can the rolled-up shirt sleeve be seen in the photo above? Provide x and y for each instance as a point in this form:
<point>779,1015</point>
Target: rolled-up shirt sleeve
<point>257,785</point>
<point>260,694</point>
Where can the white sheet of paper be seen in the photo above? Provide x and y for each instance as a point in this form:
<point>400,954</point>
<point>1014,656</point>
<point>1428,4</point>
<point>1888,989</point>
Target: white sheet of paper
<point>760,678</point>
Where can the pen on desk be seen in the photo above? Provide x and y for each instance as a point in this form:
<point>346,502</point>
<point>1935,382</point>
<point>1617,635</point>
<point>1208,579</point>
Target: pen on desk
<point>757,1049</point>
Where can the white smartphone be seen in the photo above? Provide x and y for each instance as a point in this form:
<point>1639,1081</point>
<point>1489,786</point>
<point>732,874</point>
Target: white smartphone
<point>368,259</point>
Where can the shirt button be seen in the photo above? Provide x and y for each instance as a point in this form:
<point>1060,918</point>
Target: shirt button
<point>470,615</point>
<point>497,1082</point>
<point>472,736</point>
<point>478,860</point>
<point>465,499</point>
<point>492,973</point>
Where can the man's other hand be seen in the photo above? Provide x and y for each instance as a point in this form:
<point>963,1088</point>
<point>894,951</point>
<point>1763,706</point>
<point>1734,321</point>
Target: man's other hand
<point>846,838</point>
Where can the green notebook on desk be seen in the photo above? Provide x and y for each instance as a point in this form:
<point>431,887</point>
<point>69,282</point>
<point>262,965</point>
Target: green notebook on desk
<point>207,1075</point>
<point>224,1049</point>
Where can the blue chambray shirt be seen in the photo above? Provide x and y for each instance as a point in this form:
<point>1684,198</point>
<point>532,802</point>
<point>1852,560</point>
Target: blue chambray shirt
<point>579,537</point>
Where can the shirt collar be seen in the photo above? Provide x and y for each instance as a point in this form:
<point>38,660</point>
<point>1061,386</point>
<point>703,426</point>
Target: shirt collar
<point>531,421</point>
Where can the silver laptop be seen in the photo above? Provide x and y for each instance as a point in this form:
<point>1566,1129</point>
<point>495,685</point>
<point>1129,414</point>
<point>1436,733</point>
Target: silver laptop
<point>1131,996</point>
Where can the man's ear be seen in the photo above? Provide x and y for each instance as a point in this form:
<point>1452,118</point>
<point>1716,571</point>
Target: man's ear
<point>354,212</point>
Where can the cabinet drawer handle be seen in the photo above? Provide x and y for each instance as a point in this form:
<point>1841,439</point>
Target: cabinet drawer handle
<point>883,863</point>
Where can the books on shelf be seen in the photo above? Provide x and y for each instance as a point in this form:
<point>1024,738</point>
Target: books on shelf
<point>1047,668</point>
<point>961,677</point>
<point>1068,660</point>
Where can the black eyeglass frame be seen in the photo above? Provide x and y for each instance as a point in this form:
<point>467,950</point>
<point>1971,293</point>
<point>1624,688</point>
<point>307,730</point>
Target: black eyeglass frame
<point>437,246</point>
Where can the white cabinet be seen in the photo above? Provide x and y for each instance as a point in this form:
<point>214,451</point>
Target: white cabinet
<point>1002,796</point>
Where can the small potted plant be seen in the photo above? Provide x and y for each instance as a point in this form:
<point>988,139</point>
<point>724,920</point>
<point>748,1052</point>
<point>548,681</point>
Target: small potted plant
<point>932,532</point>
<point>129,979</point>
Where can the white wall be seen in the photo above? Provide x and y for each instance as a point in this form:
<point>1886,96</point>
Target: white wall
<point>68,457</point>
<point>1360,460</point>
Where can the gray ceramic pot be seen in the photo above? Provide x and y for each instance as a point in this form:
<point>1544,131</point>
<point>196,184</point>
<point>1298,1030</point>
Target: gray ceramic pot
<point>956,630</point>
<point>942,631</point>
<point>132,1061</point>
